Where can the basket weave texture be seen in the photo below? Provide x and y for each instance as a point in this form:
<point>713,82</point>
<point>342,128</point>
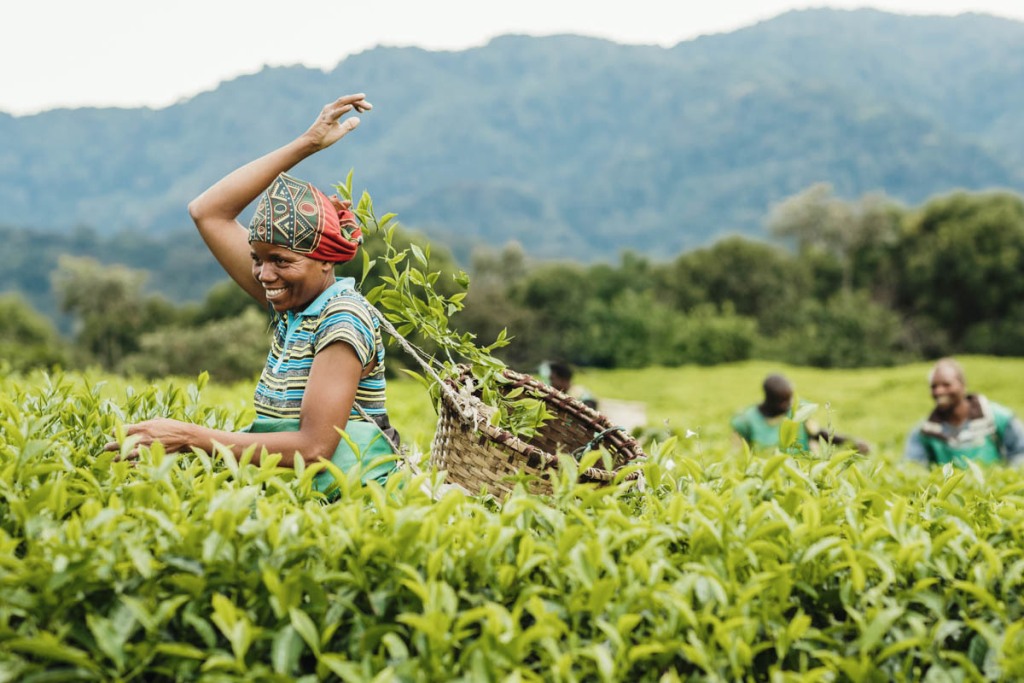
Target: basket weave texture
<point>482,457</point>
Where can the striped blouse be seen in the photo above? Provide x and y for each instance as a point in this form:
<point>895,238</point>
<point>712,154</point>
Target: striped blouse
<point>339,314</point>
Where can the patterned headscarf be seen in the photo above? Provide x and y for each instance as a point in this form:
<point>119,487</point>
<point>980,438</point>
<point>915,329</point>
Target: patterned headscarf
<point>294,214</point>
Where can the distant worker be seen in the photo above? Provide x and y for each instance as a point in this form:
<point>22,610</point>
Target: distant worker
<point>559,375</point>
<point>964,427</point>
<point>759,425</point>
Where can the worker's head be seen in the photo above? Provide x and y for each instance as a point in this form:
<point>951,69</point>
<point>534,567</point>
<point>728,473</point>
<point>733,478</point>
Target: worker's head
<point>948,384</point>
<point>778,395</point>
<point>561,375</point>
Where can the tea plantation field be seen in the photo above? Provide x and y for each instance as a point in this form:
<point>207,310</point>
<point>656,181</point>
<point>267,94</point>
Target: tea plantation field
<point>723,567</point>
<point>878,405</point>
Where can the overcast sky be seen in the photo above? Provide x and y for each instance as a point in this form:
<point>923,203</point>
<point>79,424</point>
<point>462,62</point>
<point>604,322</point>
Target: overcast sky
<point>70,53</point>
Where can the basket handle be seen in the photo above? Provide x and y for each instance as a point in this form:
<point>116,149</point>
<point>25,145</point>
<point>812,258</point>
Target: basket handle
<point>466,405</point>
<point>598,438</point>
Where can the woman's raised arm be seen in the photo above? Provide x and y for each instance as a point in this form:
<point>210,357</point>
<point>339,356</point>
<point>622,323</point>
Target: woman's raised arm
<point>215,211</point>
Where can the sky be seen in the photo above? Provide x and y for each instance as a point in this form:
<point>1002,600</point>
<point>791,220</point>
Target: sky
<point>132,53</point>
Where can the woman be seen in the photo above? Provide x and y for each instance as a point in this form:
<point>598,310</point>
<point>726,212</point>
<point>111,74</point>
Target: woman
<point>326,360</point>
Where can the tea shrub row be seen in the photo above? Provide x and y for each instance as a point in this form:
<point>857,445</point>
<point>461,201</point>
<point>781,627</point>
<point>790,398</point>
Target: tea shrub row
<point>196,566</point>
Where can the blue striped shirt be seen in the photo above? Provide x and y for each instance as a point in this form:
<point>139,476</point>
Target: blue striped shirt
<point>339,314</point>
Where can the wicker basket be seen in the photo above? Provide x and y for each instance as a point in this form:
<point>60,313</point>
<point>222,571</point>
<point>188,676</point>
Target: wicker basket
<point>481,457</point>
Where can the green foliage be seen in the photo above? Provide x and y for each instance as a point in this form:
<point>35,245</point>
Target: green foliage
<point>412,302</point>
<point>629,330</point>
<point>224,300</point>
<point>962,257</point>
<point>178,264</point>
<point>754,279</point>
<point>873,284</point>
<point>848,331</point>
<point>724,566</point>
<point>27,339</point>
<point>111,310</point>
<point>490,308</point>
<point>709,337</point>
<point>822,224</point>
<point>603,316</point>
<point>1003,336</point>
<point>121,328</point>
<point>228,349</point>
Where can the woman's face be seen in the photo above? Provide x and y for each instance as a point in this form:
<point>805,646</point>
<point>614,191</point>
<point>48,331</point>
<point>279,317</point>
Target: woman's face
<point>290,280</point>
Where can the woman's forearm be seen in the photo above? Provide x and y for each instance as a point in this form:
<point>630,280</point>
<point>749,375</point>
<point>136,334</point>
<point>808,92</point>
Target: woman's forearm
<point>288,444</point>
<point>229,196</point>
<point>176,435</point>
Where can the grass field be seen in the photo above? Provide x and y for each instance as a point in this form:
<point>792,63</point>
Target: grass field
<point>876,404</point>
<point>879,405</point>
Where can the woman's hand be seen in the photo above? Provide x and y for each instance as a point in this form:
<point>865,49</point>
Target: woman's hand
<point>329,128</point>
<point>174,435</point>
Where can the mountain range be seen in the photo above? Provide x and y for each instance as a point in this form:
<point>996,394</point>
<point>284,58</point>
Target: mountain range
<point>578,148</point>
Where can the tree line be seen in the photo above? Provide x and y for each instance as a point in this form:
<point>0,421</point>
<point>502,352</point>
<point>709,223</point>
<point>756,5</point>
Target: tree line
<point>840,283</point>
<point>836,283</point>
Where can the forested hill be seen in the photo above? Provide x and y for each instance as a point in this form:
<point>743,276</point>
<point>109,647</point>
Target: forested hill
<point>576,147</point>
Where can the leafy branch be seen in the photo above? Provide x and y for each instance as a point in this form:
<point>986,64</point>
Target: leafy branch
<point>410,301</point>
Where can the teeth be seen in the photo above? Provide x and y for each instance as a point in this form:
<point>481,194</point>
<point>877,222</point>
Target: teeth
<point>271,293</point>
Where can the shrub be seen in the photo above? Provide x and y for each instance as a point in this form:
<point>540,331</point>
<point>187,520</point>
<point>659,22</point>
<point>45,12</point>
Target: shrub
<point>201,566</point>
<point>27,339</point>
<point>229,349</point>
<point>850,330</point>
<point>708,337</point>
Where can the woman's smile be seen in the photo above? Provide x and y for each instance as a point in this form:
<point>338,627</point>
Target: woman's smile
<point>290,280</point>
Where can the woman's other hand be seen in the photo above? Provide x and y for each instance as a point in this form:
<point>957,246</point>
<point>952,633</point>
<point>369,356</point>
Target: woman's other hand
<point>174,435</point>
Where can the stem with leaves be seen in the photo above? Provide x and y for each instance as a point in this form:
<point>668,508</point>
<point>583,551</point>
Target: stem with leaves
<point>409,301</point>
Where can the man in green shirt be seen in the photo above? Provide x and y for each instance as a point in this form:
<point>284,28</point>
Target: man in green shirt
<point>760,425</point>
<point>963,426</point>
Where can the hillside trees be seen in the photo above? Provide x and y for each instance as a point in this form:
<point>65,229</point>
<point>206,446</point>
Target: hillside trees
<point>849,330</point>
<point>847,234</point>
<point>605,316</point>
<point>868,282</point>
<point>230,348</point>
<point>489,308</point>
<point>27,339</point>
<point>753,278</point>
<point>111,311</point>
<point>177,265</point>
<point>963,258</point>
<point>120,328</point>
<point>863,282</point>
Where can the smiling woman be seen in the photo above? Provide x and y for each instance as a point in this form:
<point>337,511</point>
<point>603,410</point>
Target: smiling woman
<point>325,370</point>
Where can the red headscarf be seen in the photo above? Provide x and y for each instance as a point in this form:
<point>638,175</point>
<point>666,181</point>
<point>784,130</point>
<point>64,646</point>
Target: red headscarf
<point>294,214</point>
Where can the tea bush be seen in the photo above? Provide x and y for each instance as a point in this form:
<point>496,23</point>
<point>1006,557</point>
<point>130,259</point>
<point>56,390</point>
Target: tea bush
<point>723,566</point>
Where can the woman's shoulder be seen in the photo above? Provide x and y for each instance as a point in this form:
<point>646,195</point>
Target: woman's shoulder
<point>341,295</point>
<point>351,301</point>
<point>346,307</point>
